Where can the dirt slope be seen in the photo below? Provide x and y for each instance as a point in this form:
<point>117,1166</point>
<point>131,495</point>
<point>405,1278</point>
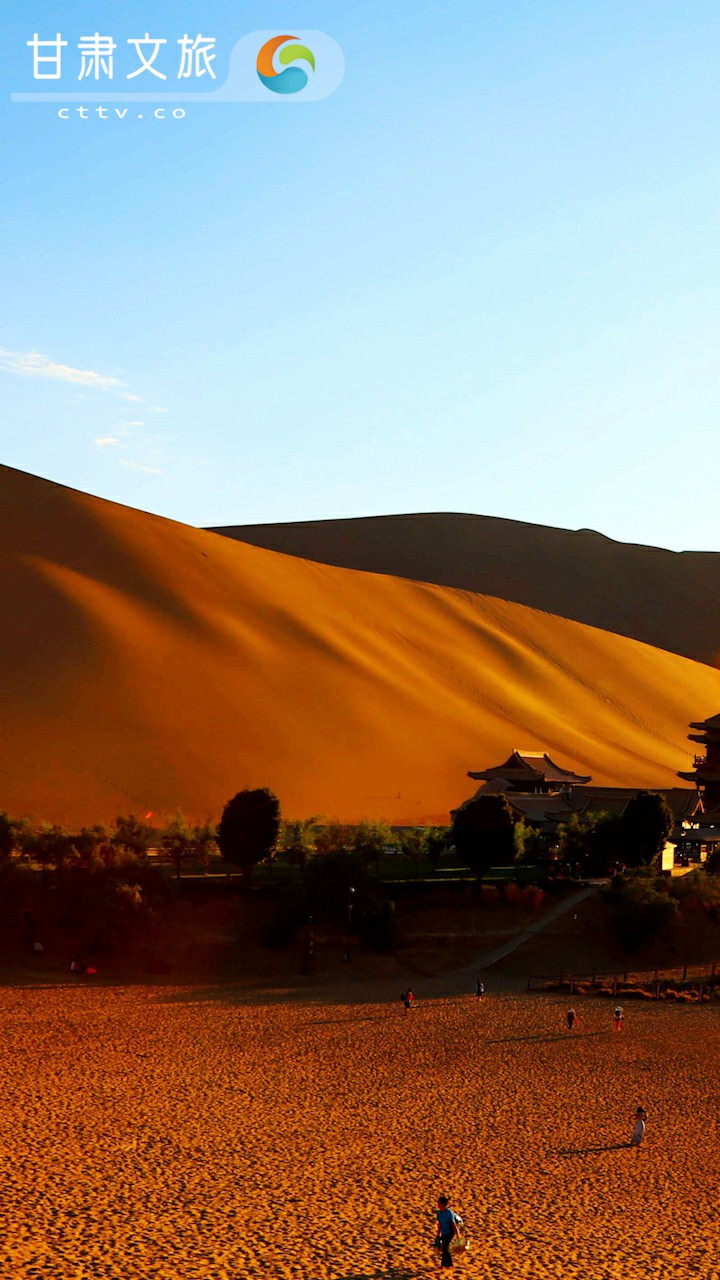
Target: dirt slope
<point>146,665</point>
<point>666,598</point>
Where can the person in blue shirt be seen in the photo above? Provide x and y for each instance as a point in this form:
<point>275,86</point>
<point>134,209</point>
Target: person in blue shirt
<point>447,1230</point>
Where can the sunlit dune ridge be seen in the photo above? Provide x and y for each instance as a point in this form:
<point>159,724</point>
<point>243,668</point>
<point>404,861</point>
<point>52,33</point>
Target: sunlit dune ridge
<point>666,598</point>
<point>147,666</point>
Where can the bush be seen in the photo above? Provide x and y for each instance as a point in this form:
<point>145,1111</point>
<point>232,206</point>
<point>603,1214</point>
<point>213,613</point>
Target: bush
<point>291,911</point>
<point>646,909</point>
<point>328,881</point>
<point>378,925</point>
<point>528,898</point>
<point>698,890</point>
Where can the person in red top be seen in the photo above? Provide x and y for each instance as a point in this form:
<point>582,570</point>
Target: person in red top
<point>407,998</point>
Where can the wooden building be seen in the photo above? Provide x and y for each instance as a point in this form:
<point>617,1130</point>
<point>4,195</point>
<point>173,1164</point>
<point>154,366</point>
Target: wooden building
<point>705,773</point>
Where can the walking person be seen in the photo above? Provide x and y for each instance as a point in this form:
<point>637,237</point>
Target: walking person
<point>407,998</point>
<point>638,1132</point>
<point>479,989</point>
<point>447,1230</point>
<point>618,1016</point>
<point>571,1019</point>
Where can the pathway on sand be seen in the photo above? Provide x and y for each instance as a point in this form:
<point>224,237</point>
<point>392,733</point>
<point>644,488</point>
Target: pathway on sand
<point>489,958</point>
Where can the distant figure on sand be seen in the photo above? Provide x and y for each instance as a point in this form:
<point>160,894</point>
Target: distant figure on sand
<point>407,998</point>
<point>618,1016</point>
<point>447,1230</point>
<point>638,1132</point>
<point>479,989</point>
<point>571,1019</point>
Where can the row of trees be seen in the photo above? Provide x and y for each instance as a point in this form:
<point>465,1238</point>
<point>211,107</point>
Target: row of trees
<point>250,831</point>
<point>487,833</point>
<point>100,846</point>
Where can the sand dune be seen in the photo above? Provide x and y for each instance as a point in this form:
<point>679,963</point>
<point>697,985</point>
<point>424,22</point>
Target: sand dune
<point>174,1132</point>
<point>666,598</point>
<point>145,665</point>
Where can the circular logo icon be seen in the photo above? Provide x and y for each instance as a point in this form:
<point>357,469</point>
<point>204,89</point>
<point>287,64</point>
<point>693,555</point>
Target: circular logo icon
<point>292,79</point>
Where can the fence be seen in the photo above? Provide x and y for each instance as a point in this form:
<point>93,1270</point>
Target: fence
<point>707,975</point>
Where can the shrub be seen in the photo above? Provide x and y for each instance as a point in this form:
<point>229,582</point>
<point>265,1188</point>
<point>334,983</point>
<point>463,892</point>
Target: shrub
<point>378,925</point>
<point>291,911</point>
<point>646,909</point>
<point>699,890</point>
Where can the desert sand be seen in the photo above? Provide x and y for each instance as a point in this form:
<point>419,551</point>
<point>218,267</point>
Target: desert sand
<point>148,666</point>
<point>184,1134</point>
<point>665,598</point>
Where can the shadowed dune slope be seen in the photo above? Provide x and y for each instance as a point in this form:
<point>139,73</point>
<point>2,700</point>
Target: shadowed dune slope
<point>666,598</point>
<point>146,665</point>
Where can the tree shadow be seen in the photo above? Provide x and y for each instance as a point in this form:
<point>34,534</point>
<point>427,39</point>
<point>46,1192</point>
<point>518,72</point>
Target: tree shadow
<point>588,1151</point>
<point>565,1035</point>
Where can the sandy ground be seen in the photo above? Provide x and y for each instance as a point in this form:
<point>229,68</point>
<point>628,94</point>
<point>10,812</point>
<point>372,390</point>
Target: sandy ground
<point>177,1132</point>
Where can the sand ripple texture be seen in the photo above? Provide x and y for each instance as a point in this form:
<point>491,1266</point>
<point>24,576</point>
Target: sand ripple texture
<point>170,1133</point>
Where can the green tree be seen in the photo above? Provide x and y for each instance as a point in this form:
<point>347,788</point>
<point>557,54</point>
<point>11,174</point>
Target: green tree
<point>593,841</point>
<point>645,827</point>
<point>13,831</point>
<point>521,840</point>
<point>483,833</point>
<point>249,828</point>
<point>94,848</point>
<point>53,847</point>
<point>298,841</point>
<point>178,841</point>
<point>370,839</point>
<point>132,834</point>
<point>437,842</point>
<point>205,843</point>
<point>334,837</point>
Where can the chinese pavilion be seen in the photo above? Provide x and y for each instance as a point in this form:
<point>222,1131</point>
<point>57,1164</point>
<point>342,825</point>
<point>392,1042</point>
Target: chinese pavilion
<point>706,769</point>
<point>530,772</point>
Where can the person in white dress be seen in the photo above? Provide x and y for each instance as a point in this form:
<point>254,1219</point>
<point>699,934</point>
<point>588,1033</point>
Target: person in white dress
<point>639,1131</point>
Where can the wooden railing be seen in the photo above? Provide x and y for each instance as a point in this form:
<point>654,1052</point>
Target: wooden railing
<point>707,975</point>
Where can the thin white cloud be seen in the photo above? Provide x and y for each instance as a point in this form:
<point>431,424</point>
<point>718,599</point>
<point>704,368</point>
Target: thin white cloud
<point>103,442</point>
<point>157,408</point>
<point>143,466</point>
<point>35,365</point>
<point>130,395</point>
<point>139,423</point>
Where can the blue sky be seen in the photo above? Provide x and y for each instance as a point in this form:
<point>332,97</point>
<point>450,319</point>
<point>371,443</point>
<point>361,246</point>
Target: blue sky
<point>482,276</point>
